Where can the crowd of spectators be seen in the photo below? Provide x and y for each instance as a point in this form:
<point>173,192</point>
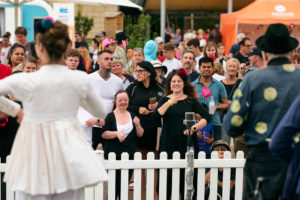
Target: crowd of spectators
<point>147,90</point>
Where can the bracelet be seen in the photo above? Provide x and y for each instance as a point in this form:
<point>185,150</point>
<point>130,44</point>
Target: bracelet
<point>170,102</point>
<point>194,128</point>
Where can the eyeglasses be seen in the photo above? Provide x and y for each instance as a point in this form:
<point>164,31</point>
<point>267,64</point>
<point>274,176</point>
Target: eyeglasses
<point>220,149</point>
<point>248,45</point>
<point>139,71</point>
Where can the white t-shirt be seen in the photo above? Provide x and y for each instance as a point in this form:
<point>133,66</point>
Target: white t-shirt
<point>171,64</point>
<point>4,52</point>
<point>106,88</point>
<point>218,77</point>
<point>197,62</point>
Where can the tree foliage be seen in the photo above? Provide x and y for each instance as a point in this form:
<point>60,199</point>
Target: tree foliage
<point>138,30</point>
<point>82,23</point>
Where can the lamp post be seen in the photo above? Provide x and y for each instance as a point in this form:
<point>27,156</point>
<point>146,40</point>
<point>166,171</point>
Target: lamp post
<point>162,18</point>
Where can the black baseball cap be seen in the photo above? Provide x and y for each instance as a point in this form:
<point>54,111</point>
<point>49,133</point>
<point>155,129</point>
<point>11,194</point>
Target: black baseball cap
<point>255,51</point>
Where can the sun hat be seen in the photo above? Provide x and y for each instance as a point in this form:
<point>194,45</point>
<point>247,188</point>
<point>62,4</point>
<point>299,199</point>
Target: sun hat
<point>158,64</point>
<point>107,42</point>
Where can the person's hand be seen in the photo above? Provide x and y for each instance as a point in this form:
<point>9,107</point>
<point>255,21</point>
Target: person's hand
<point>125,71</point>
<point>144,111</point>
<point>186,132</point>
<point>120,136</point>
<point>136,121</point>
<point>91,122</point>
<point>3,115</point>
<point>199,134</point>
<point>152,106</point>
<point>174,100</point>
<point>20,116</point>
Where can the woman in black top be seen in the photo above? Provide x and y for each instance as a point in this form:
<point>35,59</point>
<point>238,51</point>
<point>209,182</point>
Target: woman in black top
<point>143,95</point>
<point>179,97</point>
<point>232,68</point>
<point>120,131</point>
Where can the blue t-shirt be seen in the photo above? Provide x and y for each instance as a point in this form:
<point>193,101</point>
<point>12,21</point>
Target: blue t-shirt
<point>206,133</point>
<point>218,92</point>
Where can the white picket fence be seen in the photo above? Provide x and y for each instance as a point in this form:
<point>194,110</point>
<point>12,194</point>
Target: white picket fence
<point>100,192</point>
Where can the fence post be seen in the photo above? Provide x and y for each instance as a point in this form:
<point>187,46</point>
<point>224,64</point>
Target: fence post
<point>214,177</point>
<point>201,178</point>
<point>226,178</point>
<point>137,178</point>
<point>239,177</point>
<point>163,178</point>
<point>124,178</point>
<point>175,178</point>
<point>150,179</point>
<point>111,178</point>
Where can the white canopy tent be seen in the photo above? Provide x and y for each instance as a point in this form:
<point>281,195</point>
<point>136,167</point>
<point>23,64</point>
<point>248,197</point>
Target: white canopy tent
<point>17,3</point>
<point>126,3</point>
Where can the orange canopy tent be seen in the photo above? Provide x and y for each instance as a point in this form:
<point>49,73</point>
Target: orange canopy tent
<point>254,19</point>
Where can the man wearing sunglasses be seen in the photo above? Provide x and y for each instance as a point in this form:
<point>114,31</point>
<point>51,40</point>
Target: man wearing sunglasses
<point>245,47</point>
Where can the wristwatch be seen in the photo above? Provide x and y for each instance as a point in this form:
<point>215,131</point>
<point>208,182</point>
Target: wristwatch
<point>98,120</point>
<point>194,128</point>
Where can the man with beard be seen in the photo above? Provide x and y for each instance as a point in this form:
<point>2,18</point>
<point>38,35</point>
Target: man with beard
<point>188,63</point>
<point>209,88</point>
<point>107,84</point>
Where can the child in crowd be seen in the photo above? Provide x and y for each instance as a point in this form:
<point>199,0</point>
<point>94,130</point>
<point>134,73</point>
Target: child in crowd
<point>220,146</point>
<point>205,136</point>
<point>72,59</point>
<point>170,62</point>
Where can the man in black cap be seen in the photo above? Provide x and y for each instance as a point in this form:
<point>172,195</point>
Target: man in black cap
<point>256,59</point>
<point>258,106</point>
<point>120,51</point>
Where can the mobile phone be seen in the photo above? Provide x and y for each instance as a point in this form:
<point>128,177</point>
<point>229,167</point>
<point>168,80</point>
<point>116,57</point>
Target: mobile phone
<point>152,100</point>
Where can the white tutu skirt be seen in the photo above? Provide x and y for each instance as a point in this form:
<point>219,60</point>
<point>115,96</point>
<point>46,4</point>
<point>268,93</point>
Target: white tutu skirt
<point>51,158</point>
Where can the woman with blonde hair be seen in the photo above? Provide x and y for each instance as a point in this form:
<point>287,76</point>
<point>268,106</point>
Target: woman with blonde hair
<point>137,56</point>
<point>232,68</point>
<point>87,60</point>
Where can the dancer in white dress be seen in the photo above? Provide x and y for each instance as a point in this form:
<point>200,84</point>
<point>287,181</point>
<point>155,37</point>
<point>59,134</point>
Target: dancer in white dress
<point>51,158</point>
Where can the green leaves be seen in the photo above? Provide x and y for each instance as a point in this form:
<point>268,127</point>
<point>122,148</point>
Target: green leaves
<point>138,30</point>
<point>83,24</point>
